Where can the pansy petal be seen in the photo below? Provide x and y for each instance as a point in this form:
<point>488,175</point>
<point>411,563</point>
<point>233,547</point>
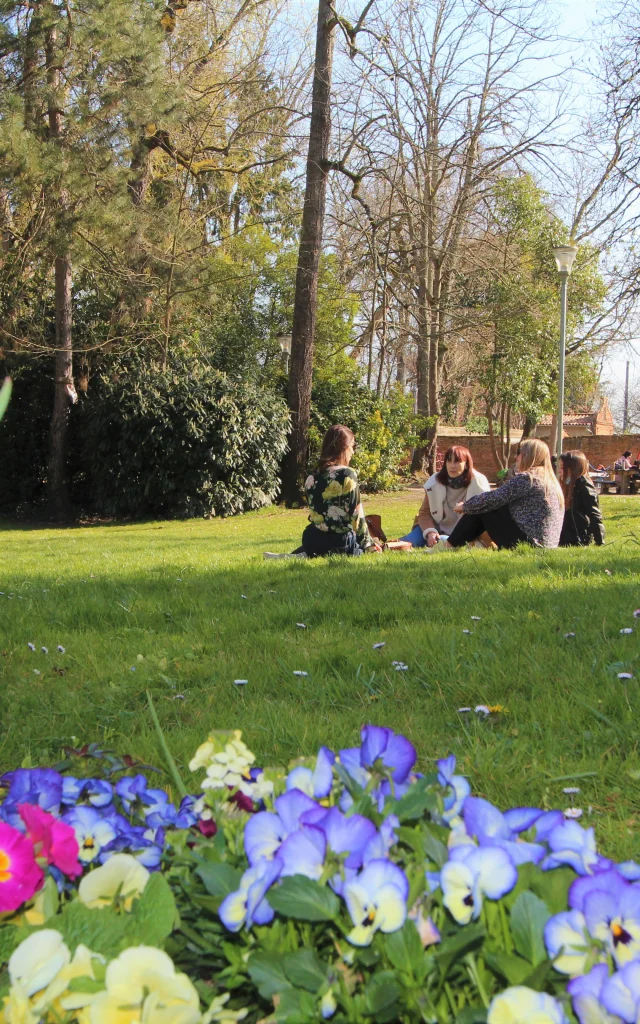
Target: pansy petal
<point>621,993</point>
<point>520,819</point>
<point>495,870</point>
<point>290,806</point>
<point>263,835</point>
<point>323,774</point>
<point>585,992</point>
<point>564,936</point>
<point>301,856</point>
<point>483,820</point>
<point>301,778</point>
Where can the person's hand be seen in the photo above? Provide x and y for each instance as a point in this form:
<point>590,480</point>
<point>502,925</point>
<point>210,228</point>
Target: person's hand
<point>432,539</point>
<point>375,548</point>
<point>459,508</point>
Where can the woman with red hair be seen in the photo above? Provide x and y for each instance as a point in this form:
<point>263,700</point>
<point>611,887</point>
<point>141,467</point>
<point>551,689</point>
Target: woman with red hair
<point>455,482</point>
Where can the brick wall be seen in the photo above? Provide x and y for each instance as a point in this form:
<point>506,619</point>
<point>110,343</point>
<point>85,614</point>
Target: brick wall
<point>601,448</point>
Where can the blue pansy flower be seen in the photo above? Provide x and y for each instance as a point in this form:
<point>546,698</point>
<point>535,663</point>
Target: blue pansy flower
<point>395,752</point>
<point>568,943</point>
<point>72,789</point>
<point>614,919</point>
<point>376,900</point>
<point>266,830</point>
<point>41,786</point>
<point>472,873</point>
<point>586,992</point>
<point>98,792</point>
<point>352,835</point>
<point>317,782</point>
<point>571,844</point>
<point>629,870</point>
<point>489,826</point>
<point>145,845</point>
<point>458,786</point>
<point>621,993</point>
<point>303,853</point>
<point>131,790</point>
<point>187,816</point>
<point>94,831</point>
<point>249,905</point>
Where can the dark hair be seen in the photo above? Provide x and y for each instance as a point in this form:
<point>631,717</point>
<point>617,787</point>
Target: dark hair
<point>457,454</point>
<point>625,455</point>
<point>336,441</point>
<point>575,465</point>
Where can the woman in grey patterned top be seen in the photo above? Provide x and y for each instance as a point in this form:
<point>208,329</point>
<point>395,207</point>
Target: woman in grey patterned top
<point>528,508</point>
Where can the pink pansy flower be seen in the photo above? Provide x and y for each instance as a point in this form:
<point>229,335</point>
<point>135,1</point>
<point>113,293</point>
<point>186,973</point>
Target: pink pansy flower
<point>56,840</point>
<point>20,876</point>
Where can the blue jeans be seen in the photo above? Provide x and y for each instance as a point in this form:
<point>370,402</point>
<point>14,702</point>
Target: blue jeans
<point>415,537</point>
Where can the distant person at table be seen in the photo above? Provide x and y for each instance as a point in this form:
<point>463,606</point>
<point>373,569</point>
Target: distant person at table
<point>455,482</point>
<point>582,515</point>
<point>528,508</point>
<point>624,462</point>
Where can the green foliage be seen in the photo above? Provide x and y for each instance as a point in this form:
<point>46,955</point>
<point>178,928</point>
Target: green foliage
<point>185,441</point>
<point>385,429</point>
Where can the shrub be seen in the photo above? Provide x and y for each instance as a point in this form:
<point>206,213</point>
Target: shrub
<point>384,428</point>
<point>185,441</point>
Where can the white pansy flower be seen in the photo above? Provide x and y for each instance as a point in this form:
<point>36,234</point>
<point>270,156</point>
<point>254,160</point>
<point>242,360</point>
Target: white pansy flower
<point>37,960</point>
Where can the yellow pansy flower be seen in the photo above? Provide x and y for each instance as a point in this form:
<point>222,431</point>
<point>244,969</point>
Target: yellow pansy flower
<point>122,874</point>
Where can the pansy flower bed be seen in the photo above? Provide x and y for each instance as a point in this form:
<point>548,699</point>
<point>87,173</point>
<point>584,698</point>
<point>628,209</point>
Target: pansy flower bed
<point>351,888</point>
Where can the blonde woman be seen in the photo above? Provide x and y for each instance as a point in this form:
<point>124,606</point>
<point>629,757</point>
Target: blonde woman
<point>528,508</point>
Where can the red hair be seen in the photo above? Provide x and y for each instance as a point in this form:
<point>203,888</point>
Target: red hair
<point>457,454</point>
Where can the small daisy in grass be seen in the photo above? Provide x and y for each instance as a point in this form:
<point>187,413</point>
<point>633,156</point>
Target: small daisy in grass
<point>625,675</point>
<point>572,813</point>
<point>627,629</point>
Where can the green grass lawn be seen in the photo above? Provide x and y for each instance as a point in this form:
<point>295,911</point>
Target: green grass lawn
<point>184,608</point>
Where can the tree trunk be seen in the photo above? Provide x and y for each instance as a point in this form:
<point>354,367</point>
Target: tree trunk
<point>58,497</point>
<point>57,491</point>
<point>306,292</point>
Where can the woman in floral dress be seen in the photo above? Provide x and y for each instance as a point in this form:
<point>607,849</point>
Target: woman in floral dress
<point>337,525</point>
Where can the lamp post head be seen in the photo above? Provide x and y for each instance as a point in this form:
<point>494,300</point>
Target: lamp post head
<point>564,257</point>
<point>284,340</point>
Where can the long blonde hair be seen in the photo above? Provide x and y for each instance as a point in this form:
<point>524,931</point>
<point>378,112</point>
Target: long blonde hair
<point>535,459</point>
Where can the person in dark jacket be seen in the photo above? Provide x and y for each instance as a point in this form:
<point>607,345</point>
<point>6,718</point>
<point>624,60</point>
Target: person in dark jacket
<point>582,516</point>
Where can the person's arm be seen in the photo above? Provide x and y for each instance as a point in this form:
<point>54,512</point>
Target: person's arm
<point>424,519</point>
<point>358,520</point>
<point>512,490</point>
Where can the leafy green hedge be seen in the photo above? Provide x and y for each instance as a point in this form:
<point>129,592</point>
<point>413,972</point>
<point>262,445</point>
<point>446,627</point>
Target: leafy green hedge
<point>185,441</point>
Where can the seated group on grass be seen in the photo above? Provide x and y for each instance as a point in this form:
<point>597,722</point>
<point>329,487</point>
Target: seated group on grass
<point>532,506</point>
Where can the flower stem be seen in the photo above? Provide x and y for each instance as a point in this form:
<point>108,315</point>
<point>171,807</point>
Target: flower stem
<point>171,764</point>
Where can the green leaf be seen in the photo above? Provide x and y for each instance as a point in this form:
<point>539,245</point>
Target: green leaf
<point>553,887</point>
<point>539,979</point>
<point>382,994</point>
<point>305,900</point>
<point>295,1006</point>
<point>85,985</point>
<point>472,1015</point>
<point>104,931</point>
<point>10,937</point>
<point>5,395</point>
<point>512,968</point>
<point>154,914</point>
<point>51,898</point>
<point>404,948</point>
<point>435,849</point>
<point>418,799</point>
<point>456,945</point>
<point>266,971</point>
<point>528,918</point>
<point>219,879</point>
<point>304,969</point>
